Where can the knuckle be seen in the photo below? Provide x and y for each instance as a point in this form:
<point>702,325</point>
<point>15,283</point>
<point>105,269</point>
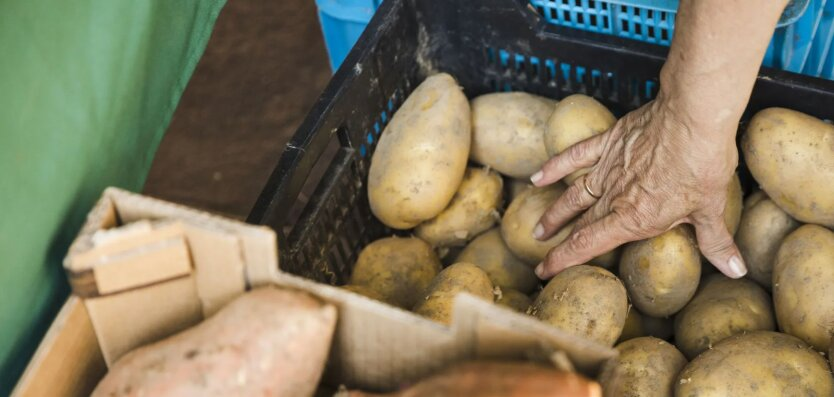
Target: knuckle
<point>573,198</point>
<point>582,239</point>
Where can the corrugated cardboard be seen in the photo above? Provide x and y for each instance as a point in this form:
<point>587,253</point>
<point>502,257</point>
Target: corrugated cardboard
<point>147,269</point>
<point>376,346</point>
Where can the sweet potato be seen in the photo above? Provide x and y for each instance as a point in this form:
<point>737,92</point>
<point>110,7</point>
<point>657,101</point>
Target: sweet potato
<point>267,342</point>
<point>498,379</point>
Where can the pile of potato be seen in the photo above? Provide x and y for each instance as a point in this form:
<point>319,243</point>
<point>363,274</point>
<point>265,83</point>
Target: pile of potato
<point>455,172</point>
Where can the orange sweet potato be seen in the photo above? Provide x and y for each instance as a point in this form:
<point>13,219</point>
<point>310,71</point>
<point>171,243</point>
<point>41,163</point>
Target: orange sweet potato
<point>268,342</point>
<point>498,379</point>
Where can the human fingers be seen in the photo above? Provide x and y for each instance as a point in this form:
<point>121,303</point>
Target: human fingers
<point>576,199</point>
<point>581,155</point>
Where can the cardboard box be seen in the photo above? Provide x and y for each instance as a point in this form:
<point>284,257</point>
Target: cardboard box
<point>376,346</point>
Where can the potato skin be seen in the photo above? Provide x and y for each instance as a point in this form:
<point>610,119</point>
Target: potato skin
<point>473,210</point>
<point>421,156</point>
<point>803,285</point>
<point>277,339</point>
<point>364,291</point>
<point>575,119</point>
<point>514,300</point>
<point>508,130</point>
<point>587,301</point>
<point>638,324</point>
<point>645,367</point>
<point>662,273</point>
<point>489,252</point>
<point>521,218</point>
<point>516,186</point>
<point>762,228</point>
<point>760,363</point>
<point>791,156</point>
<point>732,210</point>
<point>439,297</point>
<point>397,269</point>
<point>723,307</point>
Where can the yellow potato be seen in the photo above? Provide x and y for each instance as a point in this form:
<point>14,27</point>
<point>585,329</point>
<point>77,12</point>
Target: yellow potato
<point>521,218</point>
<point>587,301</point>
<point>473,210</point>
<point>489,252</point>
<point>608,260</point>
<point>645,367</point>
<point>762,228</point>
<point>575,119</point>
<point>756,364</point>
<point>507,132</point>
<point>638,324</point>
<point>516,186</point>
<point>662,273</point>
<point>803,285</point>
<point>723,307</point>
<point>732,210</point>
<point>791,155</point>
<point>421,156</point>
<point>397,269</point>
<point>364,291</point>
<point>514,300</point>
<point>439,297</point>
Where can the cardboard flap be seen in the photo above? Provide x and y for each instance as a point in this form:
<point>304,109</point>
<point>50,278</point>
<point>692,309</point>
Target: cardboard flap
<point>498,332</point>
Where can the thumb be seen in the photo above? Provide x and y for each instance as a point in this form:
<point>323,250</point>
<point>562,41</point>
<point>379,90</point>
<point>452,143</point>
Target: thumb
<point>718,247</point>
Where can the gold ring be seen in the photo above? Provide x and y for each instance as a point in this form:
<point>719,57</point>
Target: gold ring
<point>588,189</point>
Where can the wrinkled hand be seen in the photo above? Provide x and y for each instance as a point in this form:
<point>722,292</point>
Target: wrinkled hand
<point>654,169</point>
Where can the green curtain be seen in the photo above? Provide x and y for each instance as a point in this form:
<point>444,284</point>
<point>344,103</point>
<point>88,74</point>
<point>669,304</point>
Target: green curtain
<point>87,89</point>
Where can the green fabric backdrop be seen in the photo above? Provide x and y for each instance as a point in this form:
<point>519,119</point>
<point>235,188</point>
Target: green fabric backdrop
<point>87,89</point>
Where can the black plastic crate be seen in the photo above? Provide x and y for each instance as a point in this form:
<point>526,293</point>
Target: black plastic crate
<point>316,197</point>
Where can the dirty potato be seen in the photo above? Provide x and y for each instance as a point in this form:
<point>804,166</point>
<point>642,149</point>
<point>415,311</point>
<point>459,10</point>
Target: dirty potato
<point>507,132</point>
<point>791,156</point>
<point>439,298</point>
<point>662,273</point>
<point>421,156</point>
<point>803,285</point>
<point>762,228</point>
<point>522,216</point>
<point>587,301</point>
<point>645,367</point>
<point>397,269</point>
<point>489,252</point>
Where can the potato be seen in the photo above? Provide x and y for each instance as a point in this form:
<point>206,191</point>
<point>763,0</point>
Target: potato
<point>516,186</point>
<point>587,301</point>
<point>762,228</point>
<point>803,285</point>
<point>440,296</point>
<point>473,210</point>
<point>397,269</point>
<point>575,119</point>
<point>507,132</point>
<point>266,342</point>
<point>608,260</point>
<point>645,367</point>
<point>732,210</point>
<point>723,307</point>
<point>831,354</point>
<point>514,300</point>
<point>791,155</point>
<point>497,379</point>
<point>364,291</point>
<point>421,156</point>
<point>504,269</point>
<point>521,218</point>
<point>662,273</point>
<point>638,324</point>
<point>760,363</point>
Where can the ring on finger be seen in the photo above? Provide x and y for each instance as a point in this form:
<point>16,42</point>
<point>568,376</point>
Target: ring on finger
<point>588,189</point>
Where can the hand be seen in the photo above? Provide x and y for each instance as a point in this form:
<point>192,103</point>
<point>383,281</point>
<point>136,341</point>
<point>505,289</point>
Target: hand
<point>654,169</point>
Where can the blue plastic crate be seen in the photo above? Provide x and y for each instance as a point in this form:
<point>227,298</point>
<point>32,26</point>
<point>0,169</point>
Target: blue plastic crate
<point>342,22</point>
<point>802,42</point>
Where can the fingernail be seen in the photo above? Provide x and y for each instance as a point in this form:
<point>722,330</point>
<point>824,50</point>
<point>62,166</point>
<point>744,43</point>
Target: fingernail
<point>538,231</point>
<point>539,270</point>
<point>737,267</point>
<point>536,177</point>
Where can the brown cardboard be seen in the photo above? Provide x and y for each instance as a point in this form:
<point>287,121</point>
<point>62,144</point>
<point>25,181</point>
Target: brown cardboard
<point>167,271</point>
<point>376,346</point>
